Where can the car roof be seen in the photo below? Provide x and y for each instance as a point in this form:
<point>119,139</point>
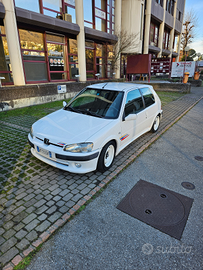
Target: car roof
<point>117,86</point>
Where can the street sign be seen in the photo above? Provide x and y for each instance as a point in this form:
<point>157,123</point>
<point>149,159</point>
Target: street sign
<point>178,68</point>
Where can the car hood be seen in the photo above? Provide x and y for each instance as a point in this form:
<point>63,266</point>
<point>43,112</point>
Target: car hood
<point>68,127</point>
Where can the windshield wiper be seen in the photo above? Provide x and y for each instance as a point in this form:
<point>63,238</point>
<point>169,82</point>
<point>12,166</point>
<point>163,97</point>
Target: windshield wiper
<point>73,109</point>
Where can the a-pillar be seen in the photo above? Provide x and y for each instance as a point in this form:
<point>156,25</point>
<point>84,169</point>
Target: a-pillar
<point>81,40</point>
<point>147,26</point>
<point>161,31</point>
<point>118,5</point>
<point>13,43</point>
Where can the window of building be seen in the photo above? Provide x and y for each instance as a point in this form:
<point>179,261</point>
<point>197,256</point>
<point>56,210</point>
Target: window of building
<point>5,65</point>
<point>70,10</point>
<point>175,43</point>
<point>52,8</point>
<point>141,21</point>
<point>160,2</point>
<point>111,16</point>
<point>170,6</point>
<point>88,15</point>
<point>110,60</point>
<point>73,59</point>
<point>29,5</point>
<point>100,15</point>
<point>166,39</point>
<point>33,54</point>
<point>154,34</point>
<point>56,47</point>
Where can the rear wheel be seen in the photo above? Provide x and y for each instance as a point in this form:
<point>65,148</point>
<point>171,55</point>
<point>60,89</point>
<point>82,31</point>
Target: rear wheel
<point>156,123</point>
<point>106,157</point>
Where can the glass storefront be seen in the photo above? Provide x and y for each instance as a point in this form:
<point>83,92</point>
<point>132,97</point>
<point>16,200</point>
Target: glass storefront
<point>90,56</point>
<point>5,65</point>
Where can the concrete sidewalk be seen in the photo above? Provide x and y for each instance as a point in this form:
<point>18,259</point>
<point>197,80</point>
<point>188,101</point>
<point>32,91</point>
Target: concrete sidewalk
<point>36,199</point>
<point>102,237</point>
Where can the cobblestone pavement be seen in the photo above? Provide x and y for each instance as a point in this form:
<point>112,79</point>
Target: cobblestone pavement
<point>36,199</point>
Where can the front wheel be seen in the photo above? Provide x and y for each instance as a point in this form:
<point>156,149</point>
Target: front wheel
<point>106,157</point>
<point>156,124</point>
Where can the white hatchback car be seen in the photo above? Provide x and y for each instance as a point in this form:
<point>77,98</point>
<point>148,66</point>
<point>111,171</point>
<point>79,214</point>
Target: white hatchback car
<point>95,125</point>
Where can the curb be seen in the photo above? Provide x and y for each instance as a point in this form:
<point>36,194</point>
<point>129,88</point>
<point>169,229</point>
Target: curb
<point>60,222</point>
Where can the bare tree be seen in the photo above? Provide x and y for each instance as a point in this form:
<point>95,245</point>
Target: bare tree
<point>188,34</point>
<point>127,43</point>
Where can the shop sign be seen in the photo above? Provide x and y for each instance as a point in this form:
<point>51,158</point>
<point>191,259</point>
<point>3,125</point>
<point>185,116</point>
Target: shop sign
<point>61,89</point>
<point>101,14</point>
<point>178,68</point>
<point>56,62</point>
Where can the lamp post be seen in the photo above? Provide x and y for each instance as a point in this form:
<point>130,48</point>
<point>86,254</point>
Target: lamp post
<point>186,50</point>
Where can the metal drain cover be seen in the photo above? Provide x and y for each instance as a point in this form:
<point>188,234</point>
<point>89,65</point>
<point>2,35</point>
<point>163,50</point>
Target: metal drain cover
<point>161,208</point>
<point>199,158</point>
<point>188,185</point>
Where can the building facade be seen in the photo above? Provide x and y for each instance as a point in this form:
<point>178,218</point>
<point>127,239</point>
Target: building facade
<point>44,41</point>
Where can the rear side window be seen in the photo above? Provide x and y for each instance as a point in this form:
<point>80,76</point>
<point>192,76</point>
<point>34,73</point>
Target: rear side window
<point>148,96</point>
<point>134,103</point>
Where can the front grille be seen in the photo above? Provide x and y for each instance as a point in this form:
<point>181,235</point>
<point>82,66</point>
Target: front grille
<point>50,143</point>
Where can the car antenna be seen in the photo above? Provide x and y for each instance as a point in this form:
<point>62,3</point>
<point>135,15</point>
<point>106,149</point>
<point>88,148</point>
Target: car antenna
<point>104,85</point>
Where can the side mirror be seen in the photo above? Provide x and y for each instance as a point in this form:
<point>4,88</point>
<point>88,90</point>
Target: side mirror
<point>64,103</point>
<point>130,117</point>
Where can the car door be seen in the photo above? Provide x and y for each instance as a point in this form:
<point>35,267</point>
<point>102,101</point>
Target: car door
<point>150,106</point>
<point>134,118</point>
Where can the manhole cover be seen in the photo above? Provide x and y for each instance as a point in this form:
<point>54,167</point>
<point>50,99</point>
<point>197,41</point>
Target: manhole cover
<point>199,158</point>
<point>161,208</point>
<point>188,185</point>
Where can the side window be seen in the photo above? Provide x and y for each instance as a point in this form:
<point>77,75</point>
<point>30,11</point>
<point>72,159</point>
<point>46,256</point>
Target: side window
<point>148,97</point>
<point>134,102</point>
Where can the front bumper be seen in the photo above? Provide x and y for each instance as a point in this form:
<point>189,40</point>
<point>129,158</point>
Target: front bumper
<point>56,157</point>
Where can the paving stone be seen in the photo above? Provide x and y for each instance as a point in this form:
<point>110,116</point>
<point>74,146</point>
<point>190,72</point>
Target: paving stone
<point>73,186</point>
<point>56,191</point>
<point>21,195</point>
<point>20,217</point>
<point>75,191</point>
<point>46,192</point>
<point>39,197</point>
<point>70,204</point>
<point>51,210</point>
<point>76,197</point>
<point>85,191</point>
<point>43,226</point>
<point>38,191</point>
<point>9,255</point>
<point>40,203</point>
<point>31,202</point>
<point>8,225</point>
<point>57,198</point>
<point>64,192</point>
<point>54,217</point>
<point>2,240</point>
<point>29,218</point>
<point>48,197</point>
<point>29,197</point>
<point>9,234</point>
<point>23,244</point>
<point>8,244</point>
<point>41,209</point>
<point>53,187</point>
<point>32,225</point>
<point>50,203</point>
<point>82,186</point>
<point>60,203</point>
<point>20,234</point>
<point>19,226</point>
<point>42,217</point>
<point>32,236</point>
<point>70,182</point>
<point>67,197</point>
<point>1,231</point>
<point>30,190</point>
<point>64,209</point>
<point>30,209</point>
<point>18,210</point>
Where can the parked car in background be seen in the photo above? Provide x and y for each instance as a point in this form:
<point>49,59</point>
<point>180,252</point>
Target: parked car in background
<point>95,126</point>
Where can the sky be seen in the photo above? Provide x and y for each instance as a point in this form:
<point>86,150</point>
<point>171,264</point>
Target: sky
<point>197,7</point>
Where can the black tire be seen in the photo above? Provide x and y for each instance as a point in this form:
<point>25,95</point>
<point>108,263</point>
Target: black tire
<point>106,157</point>
<point>156,124</point>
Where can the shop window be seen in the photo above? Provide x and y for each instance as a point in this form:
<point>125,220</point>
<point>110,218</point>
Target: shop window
<point>33,54</point>
<point>73,58</point>
<point>52,8</point>
<point>90,56</point>
<point>29,5</point>
<point>5,66</point>
<point>110,60</point>
<point>101,60</point>
<point>56,48</point>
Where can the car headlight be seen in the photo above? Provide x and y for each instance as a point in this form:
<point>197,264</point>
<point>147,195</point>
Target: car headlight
<point>79,147</point>
<point>31,132</point>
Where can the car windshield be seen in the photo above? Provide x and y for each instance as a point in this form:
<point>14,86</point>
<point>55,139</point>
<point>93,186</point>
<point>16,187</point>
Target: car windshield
<point>97,102</point>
